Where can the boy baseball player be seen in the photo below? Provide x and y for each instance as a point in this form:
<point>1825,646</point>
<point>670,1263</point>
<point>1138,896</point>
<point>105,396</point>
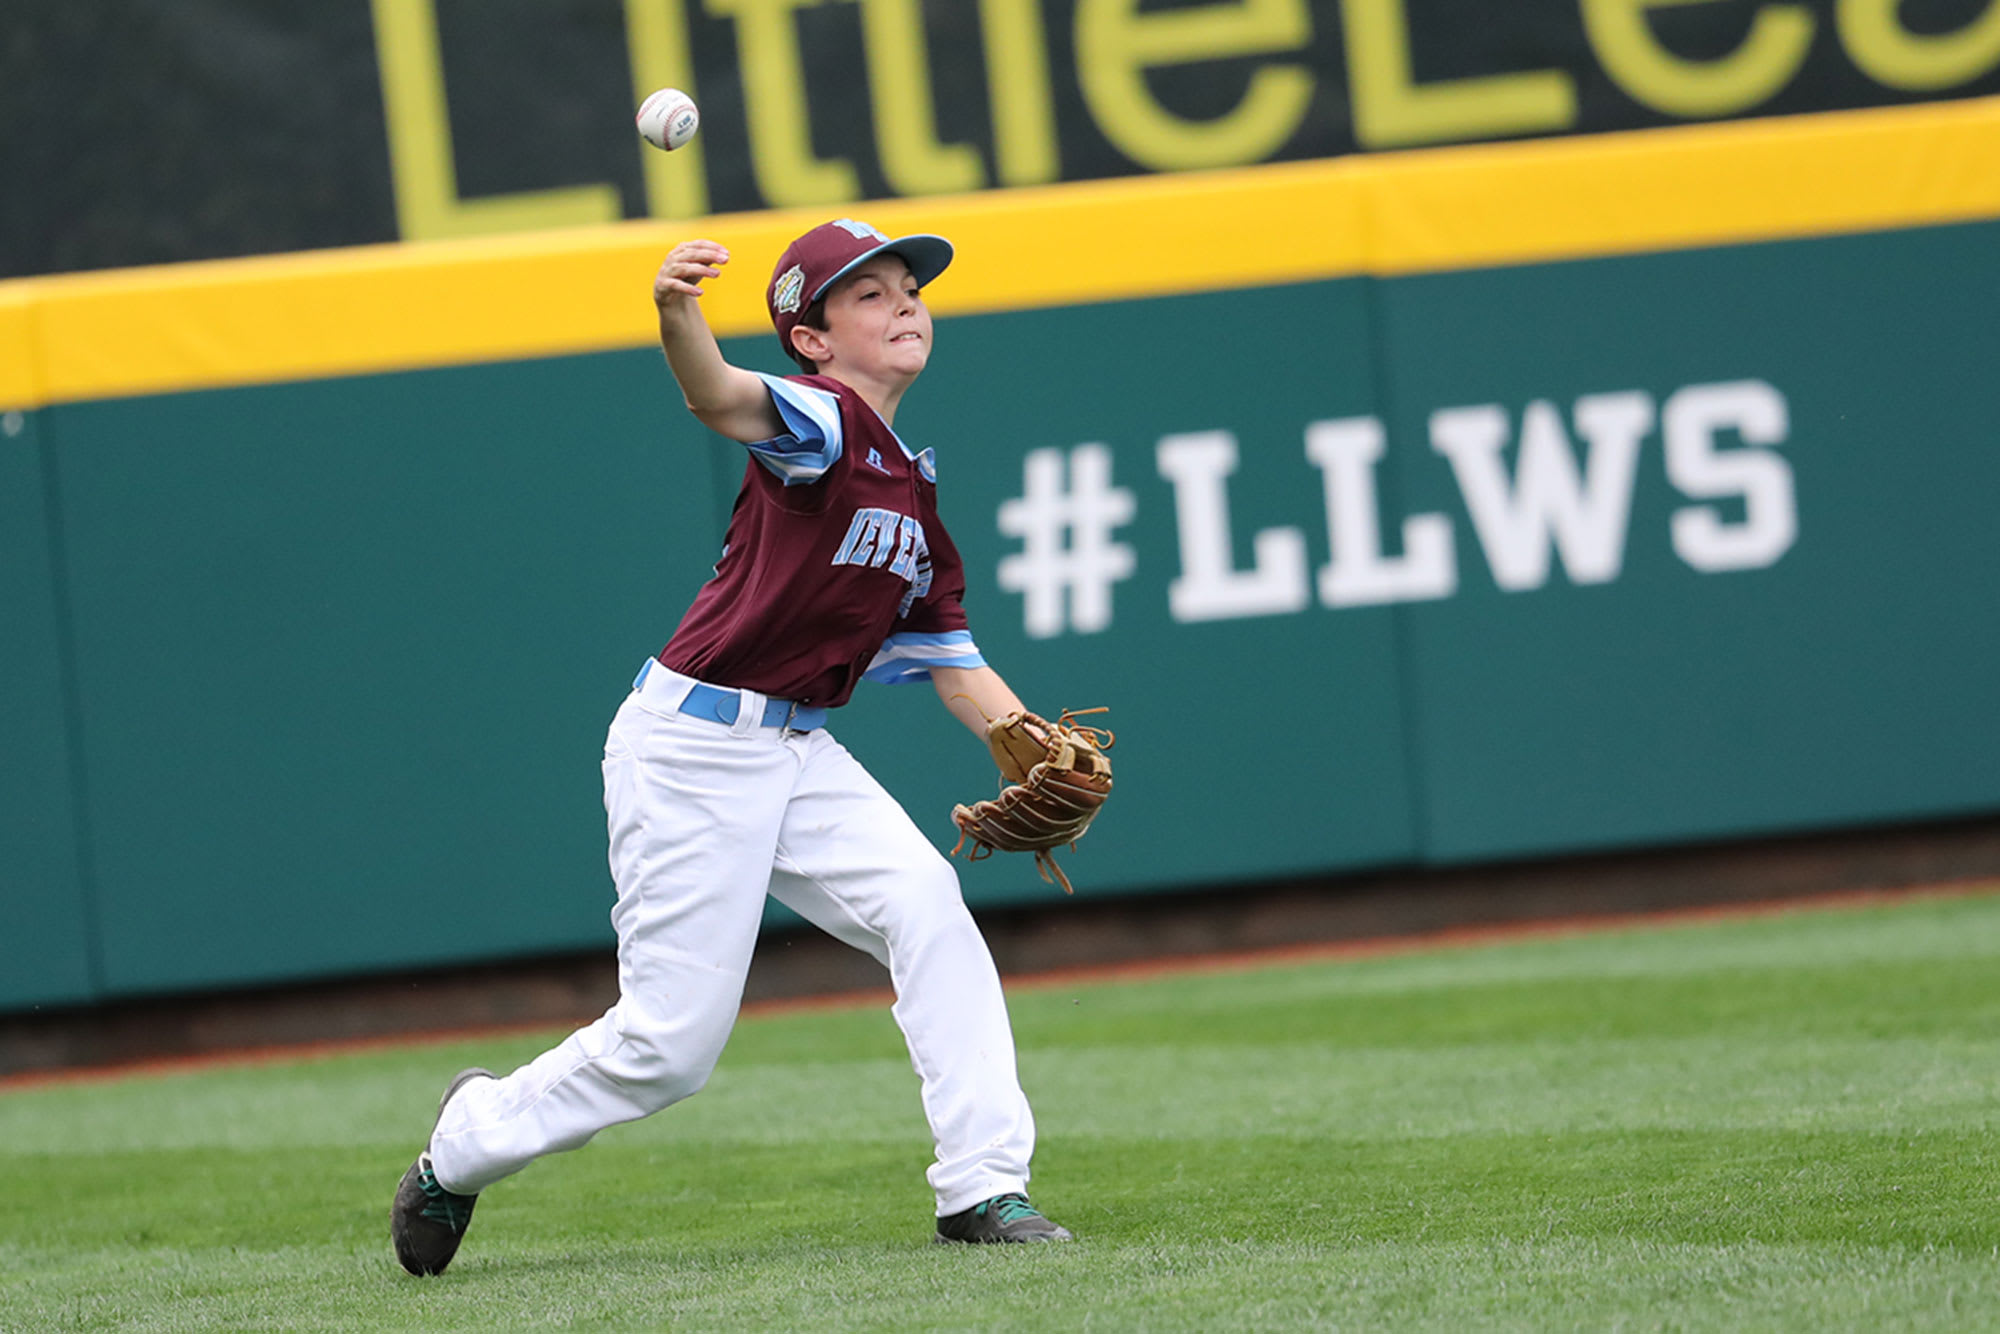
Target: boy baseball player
<point>722,784</point>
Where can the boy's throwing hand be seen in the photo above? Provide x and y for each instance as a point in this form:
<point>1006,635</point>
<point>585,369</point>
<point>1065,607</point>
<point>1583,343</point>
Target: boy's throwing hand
<point>686,267</point>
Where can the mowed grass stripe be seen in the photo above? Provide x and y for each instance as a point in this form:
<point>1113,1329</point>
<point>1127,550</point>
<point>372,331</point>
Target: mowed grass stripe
<point>1787,1122</point>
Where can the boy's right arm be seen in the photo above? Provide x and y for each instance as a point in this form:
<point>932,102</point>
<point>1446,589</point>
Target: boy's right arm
<point>725,398</point>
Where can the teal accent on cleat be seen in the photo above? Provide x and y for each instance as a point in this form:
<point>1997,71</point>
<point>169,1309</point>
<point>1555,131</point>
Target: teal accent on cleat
<point>445,1208</point>
<point>426,1221</point>
<point>1004,1218</point>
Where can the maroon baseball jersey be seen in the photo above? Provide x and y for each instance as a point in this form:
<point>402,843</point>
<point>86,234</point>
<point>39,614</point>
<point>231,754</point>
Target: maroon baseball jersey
<point>835,565</point>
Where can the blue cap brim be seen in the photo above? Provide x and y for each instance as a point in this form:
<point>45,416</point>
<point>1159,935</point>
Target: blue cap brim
<point>927,256</point>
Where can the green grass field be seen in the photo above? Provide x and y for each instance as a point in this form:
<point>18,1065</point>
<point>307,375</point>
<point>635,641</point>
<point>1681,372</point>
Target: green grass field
<point>1781,1122</point>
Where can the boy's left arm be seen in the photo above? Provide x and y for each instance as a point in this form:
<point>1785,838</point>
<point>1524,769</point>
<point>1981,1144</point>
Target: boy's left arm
<point>975,695</point>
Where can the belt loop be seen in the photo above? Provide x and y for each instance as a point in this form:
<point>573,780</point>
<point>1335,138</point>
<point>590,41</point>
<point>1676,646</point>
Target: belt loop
<point>749,713</point>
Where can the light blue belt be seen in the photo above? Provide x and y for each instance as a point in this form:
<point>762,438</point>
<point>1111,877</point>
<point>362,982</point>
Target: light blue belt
<point>723,706</point>
<point>707,701</point>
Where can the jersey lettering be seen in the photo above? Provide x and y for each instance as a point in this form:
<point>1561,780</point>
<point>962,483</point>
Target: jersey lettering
<point>809,593</point>
<point>871,537</point>
<point>877,537</point>
<point>907,549</point>
<point>920,579</point>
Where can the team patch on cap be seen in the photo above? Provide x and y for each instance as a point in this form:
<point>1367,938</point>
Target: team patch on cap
<point>789,291</point>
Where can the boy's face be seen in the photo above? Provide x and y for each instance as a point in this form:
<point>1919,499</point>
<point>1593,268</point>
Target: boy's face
<point>877,325</point>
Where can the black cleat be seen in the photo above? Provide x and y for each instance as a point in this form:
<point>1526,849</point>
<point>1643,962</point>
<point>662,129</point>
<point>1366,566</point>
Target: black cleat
<point>1000,1219</point>
<point>427,1221</point>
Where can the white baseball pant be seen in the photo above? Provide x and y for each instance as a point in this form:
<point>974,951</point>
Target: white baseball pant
<point>705,819</point>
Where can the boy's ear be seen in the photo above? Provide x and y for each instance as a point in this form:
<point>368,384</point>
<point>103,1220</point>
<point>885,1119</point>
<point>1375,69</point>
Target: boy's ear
<point>811,343</point>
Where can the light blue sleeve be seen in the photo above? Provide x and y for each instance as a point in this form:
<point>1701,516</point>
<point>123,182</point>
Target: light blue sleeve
<point>811,443</point>
<point>909,657</point>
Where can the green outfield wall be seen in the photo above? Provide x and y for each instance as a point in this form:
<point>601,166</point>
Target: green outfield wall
<point>1379,559</point>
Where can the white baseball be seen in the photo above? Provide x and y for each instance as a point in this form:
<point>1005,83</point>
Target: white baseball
<point>668,118</point>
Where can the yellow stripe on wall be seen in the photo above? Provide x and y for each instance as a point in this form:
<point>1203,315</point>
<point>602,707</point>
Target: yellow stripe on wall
<point>20,383</point>
<point>1669,189</point>
<point>394,307</point>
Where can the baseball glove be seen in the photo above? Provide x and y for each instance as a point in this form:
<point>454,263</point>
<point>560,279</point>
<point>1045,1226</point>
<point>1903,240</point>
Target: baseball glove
<point>1055,779</point>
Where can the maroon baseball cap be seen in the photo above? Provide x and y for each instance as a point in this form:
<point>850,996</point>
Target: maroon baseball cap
<point>831,251</point>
